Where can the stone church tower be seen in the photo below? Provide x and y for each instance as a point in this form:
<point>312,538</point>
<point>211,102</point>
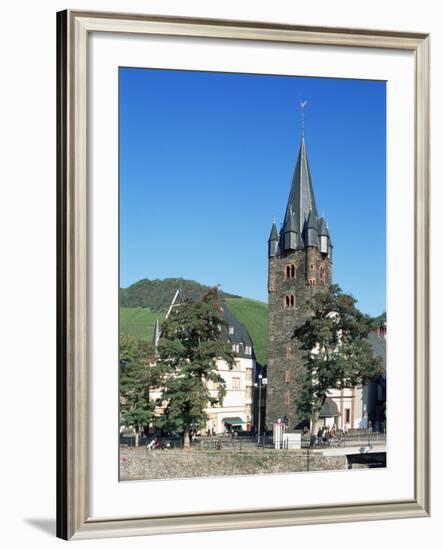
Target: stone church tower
<point>300,262</point>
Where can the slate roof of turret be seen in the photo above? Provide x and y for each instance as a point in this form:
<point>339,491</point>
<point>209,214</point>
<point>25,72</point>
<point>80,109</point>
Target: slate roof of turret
<point>291,224</point>
<point>274,235</point>
<point>312,221</point>
<point>322,227</point>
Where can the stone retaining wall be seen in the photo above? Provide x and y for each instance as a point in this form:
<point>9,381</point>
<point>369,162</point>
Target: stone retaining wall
<point>143,464</point>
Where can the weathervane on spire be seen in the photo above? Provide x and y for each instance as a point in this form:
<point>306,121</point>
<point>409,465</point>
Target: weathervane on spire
<point>302,105</point>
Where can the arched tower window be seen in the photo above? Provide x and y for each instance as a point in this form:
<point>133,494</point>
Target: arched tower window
<point>290,271</point>
<point>289,300</point>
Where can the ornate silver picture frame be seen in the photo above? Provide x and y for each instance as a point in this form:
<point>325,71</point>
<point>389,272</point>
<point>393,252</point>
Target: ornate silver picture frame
<point>74,520</point>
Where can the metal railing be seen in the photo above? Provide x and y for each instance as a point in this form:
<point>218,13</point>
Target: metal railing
<point>341,439</point>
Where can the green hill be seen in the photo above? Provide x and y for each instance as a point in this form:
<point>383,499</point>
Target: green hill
<point>147,300</point>
<point>253,315</point>
<point>157,294</point>
<point>139,321</point>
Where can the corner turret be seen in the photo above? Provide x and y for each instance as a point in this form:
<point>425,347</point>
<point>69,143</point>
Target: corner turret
<point>273,241</point>
<point>323,236</point>
<point>311,237</point>
<point>290,232</point>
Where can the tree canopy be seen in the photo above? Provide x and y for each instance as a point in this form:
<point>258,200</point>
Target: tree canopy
<point>137,377</point>
<point>337,353</point>
<point>191,343</point>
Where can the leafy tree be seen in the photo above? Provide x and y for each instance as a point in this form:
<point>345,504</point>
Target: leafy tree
<point>191,343</point>
<point>337,353</point>
<point>137,376</point>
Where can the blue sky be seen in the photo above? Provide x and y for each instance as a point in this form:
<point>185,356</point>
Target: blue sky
<point>206,161</point>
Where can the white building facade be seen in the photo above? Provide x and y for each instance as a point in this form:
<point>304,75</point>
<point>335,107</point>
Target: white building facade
<point>236,410</point>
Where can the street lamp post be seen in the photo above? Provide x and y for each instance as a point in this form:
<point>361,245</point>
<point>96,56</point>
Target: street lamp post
<point>259,386</point>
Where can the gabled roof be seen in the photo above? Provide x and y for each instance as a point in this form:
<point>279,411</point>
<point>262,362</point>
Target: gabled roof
<point>240,334</point>
<point>301,199</point>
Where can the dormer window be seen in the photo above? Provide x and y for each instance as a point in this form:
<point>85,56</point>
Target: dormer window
<point>248,350</point>
<point>231,329</point>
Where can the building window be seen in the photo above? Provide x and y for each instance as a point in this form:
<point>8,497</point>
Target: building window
<point>287,398</point>
<point>311,282</point>
<point>248,350</point>
<point>322,276</point>
<point>236,383</point>
<point>290,271</point>
<point>289,300</point>
<point>287,376</point>
<point>312,267</point>
<point>231,329</point>
<point>347,416</point>
<point>249,376</point>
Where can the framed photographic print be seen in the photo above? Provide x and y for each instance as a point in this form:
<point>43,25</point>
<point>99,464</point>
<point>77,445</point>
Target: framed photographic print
<point>242,265</point>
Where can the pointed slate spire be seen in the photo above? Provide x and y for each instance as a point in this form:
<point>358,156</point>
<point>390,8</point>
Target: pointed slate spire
<point>301,199</point>
<point>290,232</point>
<point>273,241</point>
